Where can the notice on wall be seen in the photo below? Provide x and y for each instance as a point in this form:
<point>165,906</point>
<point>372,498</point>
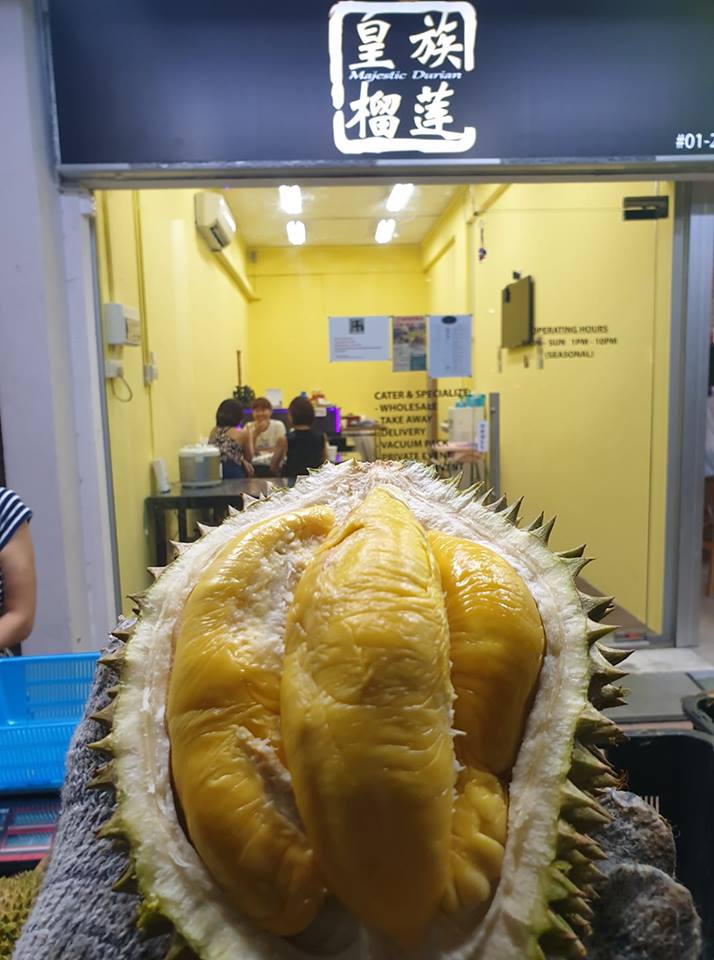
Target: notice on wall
<point>359,338</point>
<point>408,344</point>
<point>450,346</point>
<point>577,342</point>
<point>406,418</point>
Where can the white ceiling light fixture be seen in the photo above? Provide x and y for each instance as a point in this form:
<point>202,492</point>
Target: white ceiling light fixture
<point>290,198</point>
<point>399,196</point>
<point>296,232</point>
<point>385,230</point>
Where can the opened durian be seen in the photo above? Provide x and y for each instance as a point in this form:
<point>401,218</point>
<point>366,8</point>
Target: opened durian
<point>357,719</point>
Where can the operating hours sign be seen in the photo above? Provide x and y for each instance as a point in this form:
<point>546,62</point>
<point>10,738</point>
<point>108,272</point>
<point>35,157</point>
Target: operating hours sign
<point>364,85</point>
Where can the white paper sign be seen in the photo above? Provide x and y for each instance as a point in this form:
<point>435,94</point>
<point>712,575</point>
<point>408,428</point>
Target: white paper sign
<point>450,345</point>
<point>359,338</point>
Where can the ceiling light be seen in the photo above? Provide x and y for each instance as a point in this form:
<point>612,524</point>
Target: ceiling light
<point>290,198</point>
<point>296,232</point>
<point>385,231</point>
<point>399,196</point>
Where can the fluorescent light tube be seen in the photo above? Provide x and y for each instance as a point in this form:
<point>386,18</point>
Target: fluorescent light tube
<point>399,196</point>
<point>385,231</point>
<point>296,232</point>
<point>290,198</point>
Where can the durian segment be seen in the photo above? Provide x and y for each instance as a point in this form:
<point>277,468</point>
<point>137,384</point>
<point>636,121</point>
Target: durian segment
<point>497,645</point>
<point>366,708</point>
<point>224,726</point>
<point>478,839</point>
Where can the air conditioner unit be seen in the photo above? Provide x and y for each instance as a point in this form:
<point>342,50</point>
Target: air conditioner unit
<point>214,220</point>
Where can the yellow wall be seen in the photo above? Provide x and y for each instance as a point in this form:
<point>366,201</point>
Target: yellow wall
<point>298,289</point>
<point>583,438</point>
<point>194,318</point>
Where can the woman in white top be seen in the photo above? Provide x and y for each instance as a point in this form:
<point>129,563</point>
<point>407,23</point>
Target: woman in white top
<point>266,435</point>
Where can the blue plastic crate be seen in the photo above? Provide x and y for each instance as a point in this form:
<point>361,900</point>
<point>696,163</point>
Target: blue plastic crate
<point>41,701</point>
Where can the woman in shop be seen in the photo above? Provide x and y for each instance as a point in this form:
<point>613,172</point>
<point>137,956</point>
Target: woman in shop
<point>304,448</point>
<point>233,442</point>
<point>265,434</point>
<point>17,573</point>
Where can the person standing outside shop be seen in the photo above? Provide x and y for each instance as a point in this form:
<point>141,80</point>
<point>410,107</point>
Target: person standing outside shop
<point>304,448</point>
<point>17,572</point>
<point>266,434</point>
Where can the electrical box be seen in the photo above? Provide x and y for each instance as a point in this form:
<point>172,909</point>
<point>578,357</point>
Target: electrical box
<point>122,325</point>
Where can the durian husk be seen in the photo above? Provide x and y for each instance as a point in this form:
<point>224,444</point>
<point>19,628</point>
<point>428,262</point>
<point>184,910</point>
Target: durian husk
<point>541,905</point>
<point>17,895</point>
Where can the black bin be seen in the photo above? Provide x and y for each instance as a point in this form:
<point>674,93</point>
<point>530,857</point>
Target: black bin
<point>677,767</point>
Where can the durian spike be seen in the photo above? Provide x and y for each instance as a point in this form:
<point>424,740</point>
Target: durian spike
<point>103,746</point>
<point>113,829</point>
<point>536,524</point>
<point>122,633</point>
<point>249,501</point>
<point>114,658</point>
<point>572,554</point>
<point>179,548</point>
<point>602,669</point>
<point>609,696</point>
<point>156,571</point>
<point>486,498</point>
<point>588,771</point>
<point>233,512</point>
<point>594,727</point>
<point>512,513</point>
<point>499,505</point>
<point>570,839</point>
<point>113,691</point>
<point>543,532</point>
<point>105,715</point>
<point>563,937</point>
<point>579,807</point>
<point>139,599</point>
<point>204,528</point>
<point>576,564</point>
<point>596,607</point>
<point>151,923</point>
<point>127,882</point>
<point>598,630</point>
<point>613,655</point>
<point>104,778</point>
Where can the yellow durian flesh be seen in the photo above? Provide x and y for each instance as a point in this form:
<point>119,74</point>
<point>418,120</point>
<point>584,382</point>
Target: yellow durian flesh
<point>497,644</point>
<point>366,717</point>
<point>224,726</point>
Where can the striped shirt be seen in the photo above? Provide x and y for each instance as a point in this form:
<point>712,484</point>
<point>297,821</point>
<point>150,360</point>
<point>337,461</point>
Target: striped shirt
<point>13,513</point>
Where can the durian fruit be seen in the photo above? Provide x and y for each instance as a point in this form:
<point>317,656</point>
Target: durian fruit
<point>17,894</point>
<point>362,718</point>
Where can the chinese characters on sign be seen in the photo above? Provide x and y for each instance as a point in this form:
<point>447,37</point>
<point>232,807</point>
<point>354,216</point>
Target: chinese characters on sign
<point>395,70</point>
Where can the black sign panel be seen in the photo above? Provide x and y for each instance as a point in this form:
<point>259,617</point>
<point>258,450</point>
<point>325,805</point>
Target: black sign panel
<point>147,82</point>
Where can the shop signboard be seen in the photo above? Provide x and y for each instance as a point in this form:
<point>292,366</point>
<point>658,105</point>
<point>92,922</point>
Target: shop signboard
<point>375,86</point>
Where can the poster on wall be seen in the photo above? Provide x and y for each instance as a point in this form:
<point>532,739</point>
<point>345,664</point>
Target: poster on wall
<point>450,345</point>
<point>408,344</point>
<point>358,338</point>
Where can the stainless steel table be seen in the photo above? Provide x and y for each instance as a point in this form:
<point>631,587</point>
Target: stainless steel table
<point>227,493</point>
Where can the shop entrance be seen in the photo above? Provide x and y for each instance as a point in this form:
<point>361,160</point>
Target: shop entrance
<point>577,409</point>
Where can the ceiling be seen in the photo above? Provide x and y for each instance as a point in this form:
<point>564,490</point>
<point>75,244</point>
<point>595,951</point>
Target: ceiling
<point>335,216</point>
